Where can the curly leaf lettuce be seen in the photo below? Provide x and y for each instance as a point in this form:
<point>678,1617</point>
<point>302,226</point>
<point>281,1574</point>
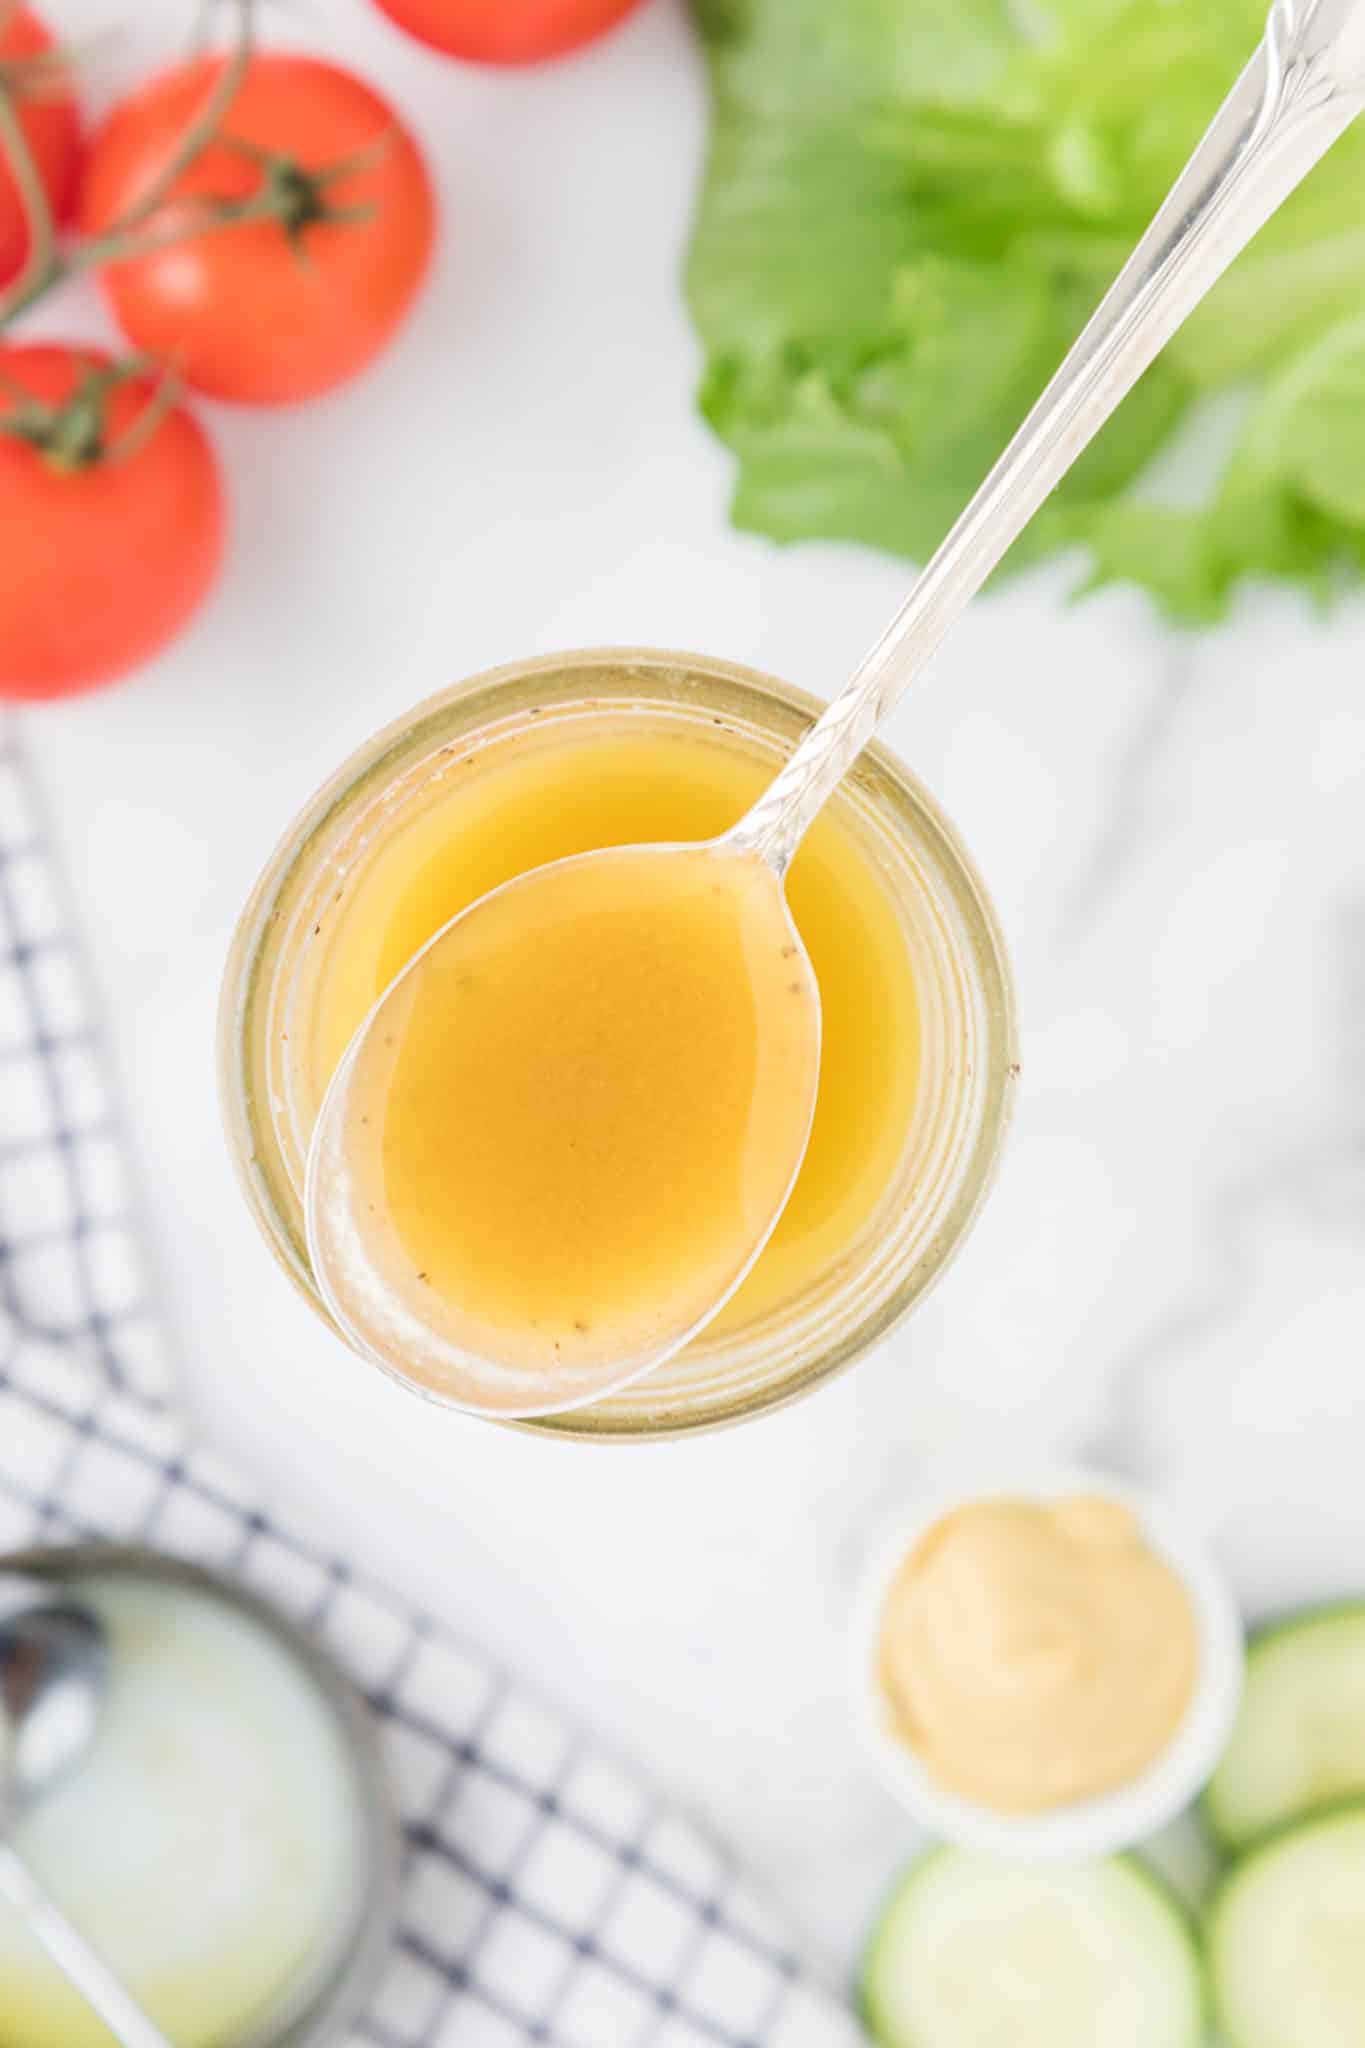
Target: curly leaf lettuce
<point>910,208</point>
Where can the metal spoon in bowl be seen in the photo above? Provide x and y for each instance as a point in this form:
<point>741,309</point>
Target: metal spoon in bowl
<point>53,1674</point>
<point>1300,91</point>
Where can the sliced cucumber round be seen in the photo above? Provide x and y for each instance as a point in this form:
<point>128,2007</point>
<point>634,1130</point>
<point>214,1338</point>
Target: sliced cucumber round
<point>1286,1935</point>
<point>1299,1742</point>
<point>971,1953</point>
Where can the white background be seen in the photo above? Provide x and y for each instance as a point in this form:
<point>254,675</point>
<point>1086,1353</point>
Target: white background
<point>1170,1275</point>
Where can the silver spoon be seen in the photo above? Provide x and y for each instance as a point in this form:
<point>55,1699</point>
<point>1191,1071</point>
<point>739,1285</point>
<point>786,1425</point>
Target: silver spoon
<point>53,1674</point>
<point>1301,90</point>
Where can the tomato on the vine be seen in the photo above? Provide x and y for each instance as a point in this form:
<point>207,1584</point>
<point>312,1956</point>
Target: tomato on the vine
<point>305,294</point>
<point>46,111</point>
<point>112,510</point>
<point>507,31</point>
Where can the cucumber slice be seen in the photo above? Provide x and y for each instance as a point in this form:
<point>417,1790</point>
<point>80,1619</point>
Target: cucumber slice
<point>1299,1742</point>
<point>1286,1938</point>
<point>972,1953</point>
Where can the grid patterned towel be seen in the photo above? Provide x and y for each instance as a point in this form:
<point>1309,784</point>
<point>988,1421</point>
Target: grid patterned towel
<point>549,1896</point>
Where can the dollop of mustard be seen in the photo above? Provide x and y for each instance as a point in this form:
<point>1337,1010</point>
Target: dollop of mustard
<point>1033,1654</point>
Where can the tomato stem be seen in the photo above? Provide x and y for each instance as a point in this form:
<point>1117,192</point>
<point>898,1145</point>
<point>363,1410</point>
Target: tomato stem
<point>165,396</point>
<point>43,75</point>
<point>73,435</point>
<point>290,193</point>
<point>42,258</point>
<point>204,129</point>
<point>294,194</point>
<point>360,160</point>
<point>47,264</point>
<point>351,216</point>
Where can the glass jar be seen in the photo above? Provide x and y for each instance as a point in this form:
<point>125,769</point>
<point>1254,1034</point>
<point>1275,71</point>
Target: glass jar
<point>968,1058</point>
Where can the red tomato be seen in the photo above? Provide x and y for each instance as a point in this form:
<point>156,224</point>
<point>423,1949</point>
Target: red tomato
<point>276,309</point>
<point>106,554</point>
<point>507,31</point>
<point>51,125</point>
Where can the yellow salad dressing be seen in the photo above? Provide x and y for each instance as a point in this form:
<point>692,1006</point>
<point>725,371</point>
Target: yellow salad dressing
<point>574,1124</point>
<point>706,1101</point>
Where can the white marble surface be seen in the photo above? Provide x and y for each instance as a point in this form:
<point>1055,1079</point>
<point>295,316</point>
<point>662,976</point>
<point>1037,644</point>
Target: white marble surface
<point>1171,1271</point>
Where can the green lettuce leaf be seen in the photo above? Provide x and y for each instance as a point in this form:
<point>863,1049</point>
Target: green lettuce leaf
<point>910,208</point>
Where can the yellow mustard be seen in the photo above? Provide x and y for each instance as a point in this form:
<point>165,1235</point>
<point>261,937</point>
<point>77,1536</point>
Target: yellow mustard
<point>1033,1654</point>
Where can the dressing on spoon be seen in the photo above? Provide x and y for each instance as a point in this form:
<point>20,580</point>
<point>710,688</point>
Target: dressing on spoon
<point>564,1134</point>
<point>576,1123</point>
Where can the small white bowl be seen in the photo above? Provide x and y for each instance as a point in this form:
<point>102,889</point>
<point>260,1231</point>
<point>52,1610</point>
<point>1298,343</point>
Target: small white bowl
<point>1114,1820</point>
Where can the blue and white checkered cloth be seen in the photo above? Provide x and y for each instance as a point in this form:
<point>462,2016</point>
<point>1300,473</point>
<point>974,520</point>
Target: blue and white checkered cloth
<point>550,1896</point>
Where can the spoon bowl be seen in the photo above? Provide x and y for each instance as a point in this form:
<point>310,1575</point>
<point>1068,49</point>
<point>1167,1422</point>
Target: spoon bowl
<point>54,1663</point>
<point>565,1132</point>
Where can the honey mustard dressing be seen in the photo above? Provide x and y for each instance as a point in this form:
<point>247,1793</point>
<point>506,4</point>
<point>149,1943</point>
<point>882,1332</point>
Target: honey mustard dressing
<point>504,1162</point>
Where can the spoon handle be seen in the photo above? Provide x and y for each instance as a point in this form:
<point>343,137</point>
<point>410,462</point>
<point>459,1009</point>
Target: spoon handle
<point>74,1957</point>
<point>1301,90</point>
